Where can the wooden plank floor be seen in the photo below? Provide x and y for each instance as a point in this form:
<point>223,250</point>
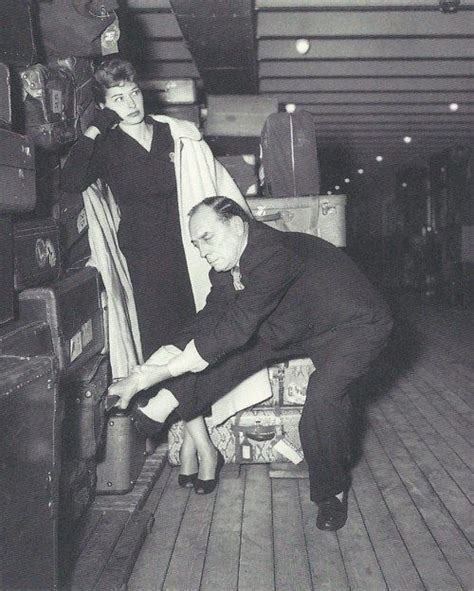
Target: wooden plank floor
<point>410,523</point>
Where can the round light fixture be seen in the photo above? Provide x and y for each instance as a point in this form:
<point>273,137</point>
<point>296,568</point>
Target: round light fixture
<point>302,46</point>
<point>379,158</point>
<point>290,108</point>
<point>347,180</point>
<point>453,107</point>
<point>337,187</point>
<point>361,171</point>
<point>407,139</point>
<point>404,185</point>
<point>329,192</point>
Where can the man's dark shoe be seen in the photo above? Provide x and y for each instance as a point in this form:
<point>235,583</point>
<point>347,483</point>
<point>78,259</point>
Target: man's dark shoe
<point>144,425</point>
<point>332,513</point>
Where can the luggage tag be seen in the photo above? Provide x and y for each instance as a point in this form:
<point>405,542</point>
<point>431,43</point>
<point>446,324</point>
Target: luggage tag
<point>287,449</point>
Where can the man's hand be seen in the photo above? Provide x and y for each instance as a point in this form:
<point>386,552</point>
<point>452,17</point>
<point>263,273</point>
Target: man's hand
<point>125,389</point>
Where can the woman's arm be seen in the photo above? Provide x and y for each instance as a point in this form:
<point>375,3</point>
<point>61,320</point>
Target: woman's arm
<point>83,165</point>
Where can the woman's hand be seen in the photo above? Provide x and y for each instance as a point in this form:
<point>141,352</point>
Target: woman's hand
<point>125,390</point>
<point>105,119</point>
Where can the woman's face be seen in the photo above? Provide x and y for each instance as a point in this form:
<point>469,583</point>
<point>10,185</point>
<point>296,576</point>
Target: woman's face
<point>126,100</point>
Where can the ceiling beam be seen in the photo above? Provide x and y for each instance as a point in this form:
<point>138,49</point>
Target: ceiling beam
<point>220,35</point>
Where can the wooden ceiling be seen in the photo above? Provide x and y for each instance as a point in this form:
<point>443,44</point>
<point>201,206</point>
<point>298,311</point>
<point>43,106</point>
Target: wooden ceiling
<point>375,70</point>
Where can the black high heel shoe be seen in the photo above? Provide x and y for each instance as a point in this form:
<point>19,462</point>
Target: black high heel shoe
<point>205,487</point>
<point>187,480</point>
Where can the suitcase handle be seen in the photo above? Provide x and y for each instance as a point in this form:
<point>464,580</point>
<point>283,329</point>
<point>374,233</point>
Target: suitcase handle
<point>271,217</point>
<point>261,432</point>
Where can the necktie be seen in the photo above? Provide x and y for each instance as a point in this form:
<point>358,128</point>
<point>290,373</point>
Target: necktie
<point>237,278</point>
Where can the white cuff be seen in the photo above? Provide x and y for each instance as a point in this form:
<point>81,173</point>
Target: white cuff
<point>189,360</point>
<point>145,376</point>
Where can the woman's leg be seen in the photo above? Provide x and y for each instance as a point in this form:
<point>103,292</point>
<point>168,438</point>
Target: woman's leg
<point>188,453</point>
<point>206,451</point>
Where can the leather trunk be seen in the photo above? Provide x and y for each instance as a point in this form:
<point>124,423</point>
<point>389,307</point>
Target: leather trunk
<point>122,458</point>
<point>86,390</point>
<point>6,270</point>
<point>72,308</point>
<point>17,172</point>
<point>30,439</point>
<point>26,339</point>
<point>37,257</point>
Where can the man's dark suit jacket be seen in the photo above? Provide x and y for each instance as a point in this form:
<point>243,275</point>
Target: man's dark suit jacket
<point>297,288</point>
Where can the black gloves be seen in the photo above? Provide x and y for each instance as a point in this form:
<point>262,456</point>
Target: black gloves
<point>105,119</point>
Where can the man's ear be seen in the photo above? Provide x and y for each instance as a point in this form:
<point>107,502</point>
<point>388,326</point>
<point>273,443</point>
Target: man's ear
<point>238,225</point>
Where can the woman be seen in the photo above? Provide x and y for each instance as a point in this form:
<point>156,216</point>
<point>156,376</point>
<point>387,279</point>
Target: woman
<point>156,168</point>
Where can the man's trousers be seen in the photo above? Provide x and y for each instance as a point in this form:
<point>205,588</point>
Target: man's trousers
<point>340,357</point>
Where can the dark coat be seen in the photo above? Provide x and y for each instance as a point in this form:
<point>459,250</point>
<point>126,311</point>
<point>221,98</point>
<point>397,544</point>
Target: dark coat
<point>298,288</point>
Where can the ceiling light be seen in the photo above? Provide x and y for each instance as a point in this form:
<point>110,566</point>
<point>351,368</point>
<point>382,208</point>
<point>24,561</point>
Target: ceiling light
<point>361,171</point>
<point>404,185</point>
<point>347,180</point>
<point>407,139</point>
<point>329,192</point>
<point>337,187</point>
<point>302,46</point>
<point>379,158</point>
<point>449,6</point>
<point>453,107</point>
<point>290,108</point>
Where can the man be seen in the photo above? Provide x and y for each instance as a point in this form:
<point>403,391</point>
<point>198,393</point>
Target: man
<point>275,295</point>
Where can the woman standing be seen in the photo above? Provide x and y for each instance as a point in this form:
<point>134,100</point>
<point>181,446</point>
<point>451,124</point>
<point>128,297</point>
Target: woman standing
<point>157,168</point>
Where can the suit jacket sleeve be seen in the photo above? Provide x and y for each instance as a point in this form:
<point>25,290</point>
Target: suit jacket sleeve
<point>221,294</point>
<point>267,273</point>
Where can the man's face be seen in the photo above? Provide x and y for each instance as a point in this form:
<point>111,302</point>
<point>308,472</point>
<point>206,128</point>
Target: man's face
<point>219,242</point>
<point>126,100</point>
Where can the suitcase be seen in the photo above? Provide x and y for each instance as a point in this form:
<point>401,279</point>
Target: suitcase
<point>30,439</point>
<point>289,155</point>
<point>37,258</point>
<point>26,339</point>
<point>49,97</point>
<point>5,97</point>
<point>238,115</point>
<point>17,172</point>
<point>121,460</point>
<point>243,169</point>
<point>72,308</point>
<point>322,216</point>
<point>77,488</point>
<point>171,92</point>
<point>84,423</point>
<point>6,270</point>
<point>289,381</point>
<point>250,436</point>
<point>18,45</point>
<point>70,214</point>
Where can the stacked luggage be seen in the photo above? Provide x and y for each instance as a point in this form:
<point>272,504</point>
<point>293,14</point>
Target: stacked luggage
<point>54,372</point>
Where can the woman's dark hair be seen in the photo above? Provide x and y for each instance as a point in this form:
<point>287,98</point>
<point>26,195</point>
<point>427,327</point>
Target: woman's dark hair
<point>224,207</point>
<point>111,73</point>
